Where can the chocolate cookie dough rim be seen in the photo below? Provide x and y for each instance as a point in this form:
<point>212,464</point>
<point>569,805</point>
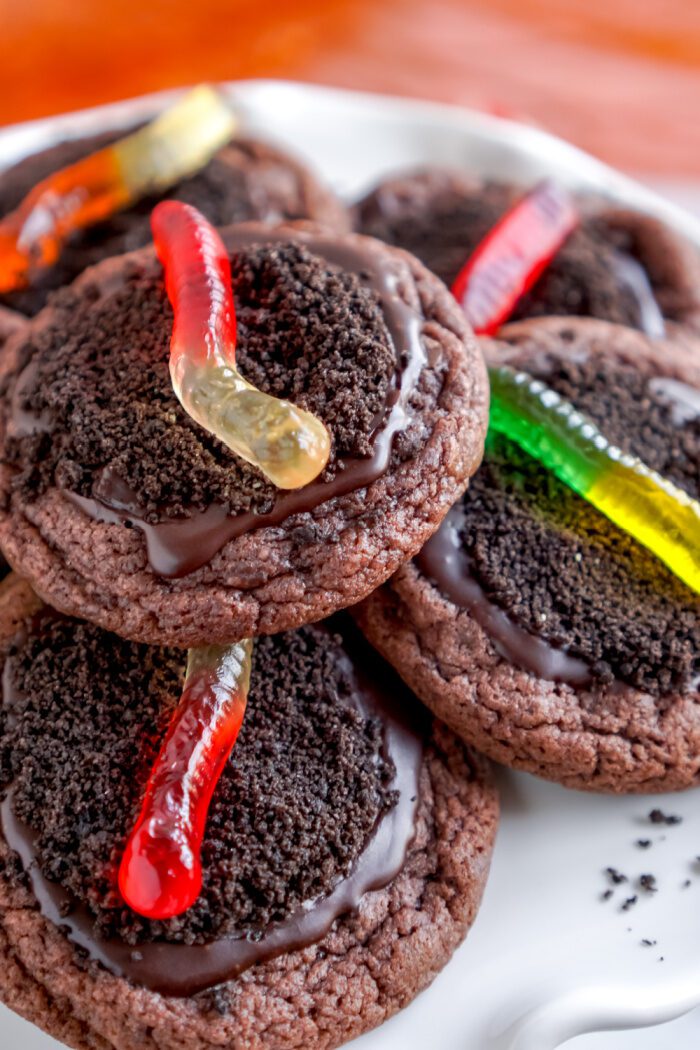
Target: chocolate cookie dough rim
<point>457,817</point>
<point>226,599</point>
<point>397,617</point>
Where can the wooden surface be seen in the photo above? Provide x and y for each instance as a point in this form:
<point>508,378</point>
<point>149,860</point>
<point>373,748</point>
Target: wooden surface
<point>619,77</point>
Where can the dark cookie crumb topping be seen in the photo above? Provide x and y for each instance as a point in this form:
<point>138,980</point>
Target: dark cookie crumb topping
<point>305,331</point>
<point>443,228</point>
<point>298,800</point>
<point>562,569</point>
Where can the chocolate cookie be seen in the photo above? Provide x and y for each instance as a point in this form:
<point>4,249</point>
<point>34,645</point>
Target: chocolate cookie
<point>543,634</point>
<point>10,321</point>
<point>619,265</point>
<point>346,850</point>
<point>120,509</point>
<point>246,180</point>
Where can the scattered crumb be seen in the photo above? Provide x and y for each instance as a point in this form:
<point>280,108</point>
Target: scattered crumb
<point>616,877</point>
<point>607,895</point>
<point>648,883</point>
<point>629,903</point>
<point>686,884</point>
<point>643,843</point>
<point>657,816</point>
<point>647,943</point>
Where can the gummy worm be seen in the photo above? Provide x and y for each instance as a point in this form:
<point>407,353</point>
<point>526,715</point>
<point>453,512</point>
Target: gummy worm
<point>658,514</point>
<point>160,875</point>
<point>173,146</point>
<point>513,256</point>
<point>289,445</point>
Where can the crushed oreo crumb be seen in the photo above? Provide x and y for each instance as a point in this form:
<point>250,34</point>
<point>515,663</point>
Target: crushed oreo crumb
<point>302,792</point>
<point>629,903</point>
<point>217,999</point>
<point>648,883</point>
<point>616,877</point>
<point>606,895</point>
<point>643,843</point>
<point>657,816</point>
<point>646,943</point>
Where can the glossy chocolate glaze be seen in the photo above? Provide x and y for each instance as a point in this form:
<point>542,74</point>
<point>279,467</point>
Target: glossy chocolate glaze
<point>178,547</point>
<point>445,563</point>
<point>632,275</point>
<point>184,970</point>
<point>682,399</point>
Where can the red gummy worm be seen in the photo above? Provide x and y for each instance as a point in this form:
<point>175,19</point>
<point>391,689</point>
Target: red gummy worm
<point>513,256</point>
<point>198,282</point>
<point>160,875</point>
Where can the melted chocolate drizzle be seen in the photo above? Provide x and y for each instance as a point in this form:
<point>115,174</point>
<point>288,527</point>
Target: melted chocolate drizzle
<point>178,547</point>
<point>445,563</point>
<point>184,970</point>
<point>632,275</point>
<point>683,400</point>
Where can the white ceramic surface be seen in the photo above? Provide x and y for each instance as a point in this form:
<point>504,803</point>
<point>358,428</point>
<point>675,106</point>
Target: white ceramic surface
<point>547,959</point>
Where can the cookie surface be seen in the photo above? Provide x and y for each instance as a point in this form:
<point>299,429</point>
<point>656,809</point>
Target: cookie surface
<point>619,266</point>
<point>121,510</point>
<point>246,180</point>
<point>566,649</point>
<point>10,321</point>
<point>324,772</point>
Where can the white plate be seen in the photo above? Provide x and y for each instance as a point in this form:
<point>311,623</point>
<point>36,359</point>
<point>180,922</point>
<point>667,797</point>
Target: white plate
<point>546,960</point>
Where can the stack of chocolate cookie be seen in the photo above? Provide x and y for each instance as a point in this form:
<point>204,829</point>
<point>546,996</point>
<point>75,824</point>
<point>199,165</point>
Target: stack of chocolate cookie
<point>540,631</point>
<point>348,839</point>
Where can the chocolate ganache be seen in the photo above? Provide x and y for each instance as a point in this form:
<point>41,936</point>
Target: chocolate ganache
<point>559,590</point>
<point>178,545</point>
<point>182,957</point>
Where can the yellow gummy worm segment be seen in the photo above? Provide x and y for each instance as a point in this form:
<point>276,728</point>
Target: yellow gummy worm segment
<point>658,514</point>
<point>288,444</point>
<point>176,144</point>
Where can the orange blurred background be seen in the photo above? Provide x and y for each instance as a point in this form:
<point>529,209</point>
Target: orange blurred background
<point>619,77</point>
